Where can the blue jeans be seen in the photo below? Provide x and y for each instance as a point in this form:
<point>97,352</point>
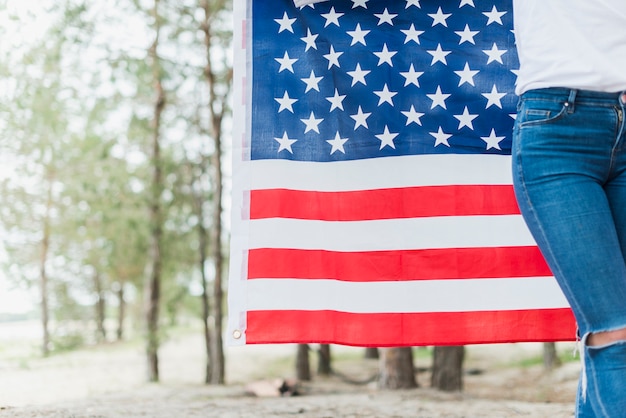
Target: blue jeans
<point>569,174</point>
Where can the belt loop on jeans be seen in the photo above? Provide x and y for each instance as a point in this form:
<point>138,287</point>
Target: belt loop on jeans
<point>571,100</point>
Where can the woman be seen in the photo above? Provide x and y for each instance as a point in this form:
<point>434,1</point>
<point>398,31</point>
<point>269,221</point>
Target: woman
<point>569,170</point>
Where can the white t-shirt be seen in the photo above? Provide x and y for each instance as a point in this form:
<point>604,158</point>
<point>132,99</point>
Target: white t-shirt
<point>577,44</point>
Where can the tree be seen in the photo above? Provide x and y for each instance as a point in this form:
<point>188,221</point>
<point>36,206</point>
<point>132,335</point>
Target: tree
<point>41,106</point>
<point>217,77</point>
<point>447,372</point>
<point>371,353</point>
<point>43,273</point>
<point>153,287</point>
<point>396,369</point>
<point>324,360</point>
<point>551,358</point>
<point>303,366</point>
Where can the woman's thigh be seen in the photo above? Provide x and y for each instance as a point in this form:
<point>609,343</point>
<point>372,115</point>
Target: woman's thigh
<point>562,161</point>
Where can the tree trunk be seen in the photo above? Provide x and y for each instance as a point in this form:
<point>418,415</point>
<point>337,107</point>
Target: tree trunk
<point>551,359</point>
<point>100,306</point>
<point>324,360</point>
<point>371,353</point>
<point>43,275</point>
<point>217,345</point>
<point>216,114</point>
<point>303,367</point>
<point>121,312</point>
<point>448,368</point>
<point>202,258</point>
<point>396,369</point>
<point>153,288</point>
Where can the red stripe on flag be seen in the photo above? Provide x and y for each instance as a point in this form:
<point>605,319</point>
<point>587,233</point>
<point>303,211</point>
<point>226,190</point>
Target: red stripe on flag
<point>449,263</point>
<point>409,329</point>
<point>410,202</point>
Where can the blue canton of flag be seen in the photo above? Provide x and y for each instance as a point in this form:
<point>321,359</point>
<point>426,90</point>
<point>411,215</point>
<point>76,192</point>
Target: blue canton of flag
<point>370,78</point>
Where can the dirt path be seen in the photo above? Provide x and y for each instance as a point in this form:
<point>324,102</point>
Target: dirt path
<point>108,382</point>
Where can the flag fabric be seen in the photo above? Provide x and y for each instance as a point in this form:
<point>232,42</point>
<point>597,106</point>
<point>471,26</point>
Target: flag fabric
<point>372,195</point>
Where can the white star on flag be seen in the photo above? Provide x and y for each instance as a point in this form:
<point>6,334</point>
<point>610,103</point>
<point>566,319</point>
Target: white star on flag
<point>332,17</point>
<point>333,57</point>
<point>385,56</point>
<point>358,35</point>
<point>494,97</point>
<point>336,101</point>
<point>386,138</point>
<point>411,76</point>
<point>494,54</point>
<point>412,116</point>
<point>412,34</point>
<point>286,63</point>
<point>312,124</point>
<point>285,143</point>
<point>441,138</point>
<point>467,35</point>
<point>358,75</point>
<point>312,82</point>
<point>337,144</point>
<point>285,23</point>
<point>385,17</point>
<point>467,75</point>
<point>285,102</point>
<point>440,17</point>
<point>360,119</point>
<point>438,98</point>
<point>494,16</point>
<point>415,3</point>
<point>309,39</point>
<point>439,55</point>
<point>385,96</point>
<point>466,119</point>
<point>359,3</point>
<point>492,140</point>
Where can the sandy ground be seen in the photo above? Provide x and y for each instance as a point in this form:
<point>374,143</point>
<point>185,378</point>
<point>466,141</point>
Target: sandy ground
<point>108,381</point>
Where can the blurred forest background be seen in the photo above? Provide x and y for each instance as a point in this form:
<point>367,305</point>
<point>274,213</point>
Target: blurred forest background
<point>112,117</point>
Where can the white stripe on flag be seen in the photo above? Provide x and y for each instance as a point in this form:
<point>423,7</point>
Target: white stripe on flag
<point>381,173</point>
<point>391,234</point>
<point>413,296</point>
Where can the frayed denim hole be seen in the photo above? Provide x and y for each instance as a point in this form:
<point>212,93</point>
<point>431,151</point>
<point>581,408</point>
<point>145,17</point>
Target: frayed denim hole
<point>596,348</point>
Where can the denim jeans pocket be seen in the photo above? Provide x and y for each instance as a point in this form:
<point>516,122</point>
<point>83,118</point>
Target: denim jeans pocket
<point>538,112</point>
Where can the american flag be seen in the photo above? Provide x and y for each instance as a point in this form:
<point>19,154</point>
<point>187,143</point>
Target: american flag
<point>372,197</point>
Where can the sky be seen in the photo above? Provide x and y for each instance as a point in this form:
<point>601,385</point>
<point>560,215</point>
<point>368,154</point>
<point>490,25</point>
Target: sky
<point>15,301</point>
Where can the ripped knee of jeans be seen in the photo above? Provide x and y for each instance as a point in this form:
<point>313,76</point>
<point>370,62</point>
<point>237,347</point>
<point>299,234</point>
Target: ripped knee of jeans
<point>599,340</point>
<point>608,337</point>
